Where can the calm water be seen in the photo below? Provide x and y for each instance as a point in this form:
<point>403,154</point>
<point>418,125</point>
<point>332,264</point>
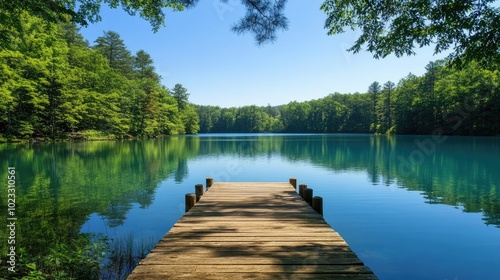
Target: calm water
<point>410,207</point>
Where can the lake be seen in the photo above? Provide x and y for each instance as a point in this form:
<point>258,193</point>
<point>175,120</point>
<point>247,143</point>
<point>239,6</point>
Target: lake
<point>411,207</point>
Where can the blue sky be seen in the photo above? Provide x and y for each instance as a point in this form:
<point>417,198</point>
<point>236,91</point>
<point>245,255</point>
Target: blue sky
<point>198,50</point>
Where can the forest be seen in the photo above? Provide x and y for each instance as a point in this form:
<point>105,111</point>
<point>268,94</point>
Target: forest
<point>444,100</point>
<point>55,85</point>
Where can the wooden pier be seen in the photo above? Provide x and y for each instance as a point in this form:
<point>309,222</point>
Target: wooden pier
<point>251,231</point>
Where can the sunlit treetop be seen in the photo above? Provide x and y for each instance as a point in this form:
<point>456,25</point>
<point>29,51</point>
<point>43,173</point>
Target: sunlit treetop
<point>85,12</point>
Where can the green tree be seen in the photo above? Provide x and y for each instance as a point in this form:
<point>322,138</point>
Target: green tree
<point>35,71</point>
<point>336,112</point>
<point>359,116</point>
<point>54,85</point>
<point>294,116</point>
<point>112,47</point>
<point>181,95</point>
<point>226,121</point>
<point>405,93</point>
<point>387,110</point>
<point>81,12</point>
<point>145,108</point>
<point>143,66</point>
<point>469,96</point>
<point>263,19</point>
<point>428,87</point>
<point>374,91</point>
<point>468,28</point>
<point>250,119</point>
<point>169,119</point>
<point>317,119</point>
<point>190,120</point>
<point>209,117</point>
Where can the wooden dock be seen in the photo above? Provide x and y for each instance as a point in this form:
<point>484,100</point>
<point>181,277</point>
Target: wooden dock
<point>252,231</point>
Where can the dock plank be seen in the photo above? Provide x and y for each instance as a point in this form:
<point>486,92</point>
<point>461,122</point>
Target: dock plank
<point>247,230</point>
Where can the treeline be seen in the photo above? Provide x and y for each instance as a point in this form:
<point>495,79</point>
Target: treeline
<point>442,101</point>
<point>54,84</point>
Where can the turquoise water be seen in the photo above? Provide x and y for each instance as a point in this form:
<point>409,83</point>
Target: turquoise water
<point>410,207</point>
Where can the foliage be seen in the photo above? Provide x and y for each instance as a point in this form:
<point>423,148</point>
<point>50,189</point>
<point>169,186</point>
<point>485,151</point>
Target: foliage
<point>181,95</point>
<point>80,12</point>
<point>112,47</point>
<point>263,19</point>
<point>89,256</point>
<point>64,183</point>
<point>244,119</point>
<point>443,101</point>
<point>91,135</point>
<point>78,259</point>
<point>54,85</point>
<point>469,29</point>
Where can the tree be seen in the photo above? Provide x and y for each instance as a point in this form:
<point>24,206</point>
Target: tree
<point>143,66</point>
<point>430,94</point>
<point>403,110</point>
<point>469,28</point>
<point>168,118</point>
<point>263,18</point>
<point>112,47</point>
<point>190,120</point>
<point>81,12</point>
<point>359,117</point>
<point>374,91</point>
<point>181,96</point>
<point>387,112</point>
<point>226,121</point>
<point>294,116</point>
<point>209,117</point>
<point>53,85</point>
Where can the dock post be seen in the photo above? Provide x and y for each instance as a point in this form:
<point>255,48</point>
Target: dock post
<point>199,191</point>
<point>190,201</point>
<point>293,182</point>
<point>317,204</point>
<point>308,195</point>
<point>302,187</point>
<point>235,233</point>
<point>210,182</point>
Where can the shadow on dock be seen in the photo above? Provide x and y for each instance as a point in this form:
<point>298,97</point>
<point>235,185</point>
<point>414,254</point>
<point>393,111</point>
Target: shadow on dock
<point>252,231</point>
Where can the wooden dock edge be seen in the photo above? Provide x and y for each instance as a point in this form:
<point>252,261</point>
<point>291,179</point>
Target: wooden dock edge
<point>252,230</point>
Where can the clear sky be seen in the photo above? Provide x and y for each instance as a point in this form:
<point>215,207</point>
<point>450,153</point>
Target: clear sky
<point>198,50</point>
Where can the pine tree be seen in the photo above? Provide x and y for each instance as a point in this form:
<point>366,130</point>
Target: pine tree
<point>112,47</point>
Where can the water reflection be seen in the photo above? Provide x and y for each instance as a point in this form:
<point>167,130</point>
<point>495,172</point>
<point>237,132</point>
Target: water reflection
<point>60,185</point>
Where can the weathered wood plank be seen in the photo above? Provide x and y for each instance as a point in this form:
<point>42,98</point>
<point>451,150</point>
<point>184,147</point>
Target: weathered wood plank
<point>290,208</point>
<point>158,259</point>
<point>306,268</point>
<point>278,252</point>
<point>252,231</point>
<point>252,216</point>
<point>250,275</point>
<point>224,234</point>
<point>216,244</point>
<point>242,224</point>
<point>253,250</point>
<point>271,229</point>
<point>290,238</point>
